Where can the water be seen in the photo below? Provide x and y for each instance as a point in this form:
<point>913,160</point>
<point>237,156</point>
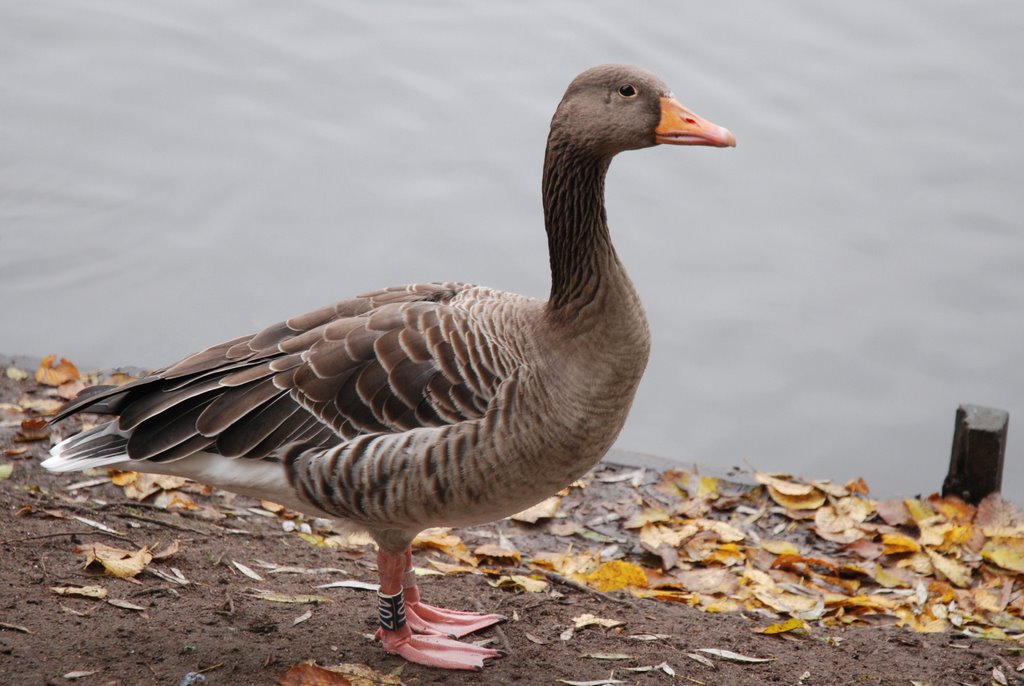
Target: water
<point>821,298</point>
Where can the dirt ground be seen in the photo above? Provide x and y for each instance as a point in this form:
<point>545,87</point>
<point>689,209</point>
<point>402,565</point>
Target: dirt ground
<point>216,625</point>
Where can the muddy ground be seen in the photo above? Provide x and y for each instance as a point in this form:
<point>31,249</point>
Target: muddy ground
<point>214,624</point>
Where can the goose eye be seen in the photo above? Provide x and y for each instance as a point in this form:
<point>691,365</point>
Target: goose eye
<point>628,91</point>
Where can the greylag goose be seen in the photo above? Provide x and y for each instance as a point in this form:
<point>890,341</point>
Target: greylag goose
<point>438,404</point>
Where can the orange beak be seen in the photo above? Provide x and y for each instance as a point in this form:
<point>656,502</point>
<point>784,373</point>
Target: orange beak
<point>680,126</point>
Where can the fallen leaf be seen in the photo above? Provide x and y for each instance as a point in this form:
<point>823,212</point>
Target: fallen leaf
<point>652,515</point>
<point>273,597</point>
<point>608,656</point>
<point>780,547</point>
<point>70,389</point>
<point>895,544</point>
<point>54,373</point>
<point>519,582</point>
<point>545,509</point>
<point>15,627</point>
<point>789,494</point>
<point>701,659</point>
<point>588,619</point>
<point>308,674</point>
<point>15,374</point>
<point>448,543</point>
<point>302,618</point>
<point>43,406</point>
<point>598,682</point>
<point>956,572</point>
<point>1007,553</point>
<point>497,552</point>
<point>734,657</point>
<point>246,571</point>
<point>790,624</point>
<point>125,605</point>
<point>361,675</point>
<point>6,470</point>
<point>123,564</point>
<point>79,674</point>
<point>351,583</point>
<point>34,429</point>
<point>168,551</point>
<point>616,574</point>
<point>97,592</point>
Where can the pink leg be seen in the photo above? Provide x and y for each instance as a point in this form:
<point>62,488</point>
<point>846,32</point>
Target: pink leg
<point>439,621</point>
<point>397,635</point>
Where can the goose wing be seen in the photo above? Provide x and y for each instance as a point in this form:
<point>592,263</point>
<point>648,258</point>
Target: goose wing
<point>386,361</point>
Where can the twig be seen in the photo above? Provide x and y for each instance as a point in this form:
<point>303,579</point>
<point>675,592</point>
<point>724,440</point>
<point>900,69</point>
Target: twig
<point>497,629</point>
<point>558,578</point>
<point>154,520</point>
<point>67,533</point>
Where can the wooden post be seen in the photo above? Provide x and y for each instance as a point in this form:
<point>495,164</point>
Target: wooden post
<point>979,443</point>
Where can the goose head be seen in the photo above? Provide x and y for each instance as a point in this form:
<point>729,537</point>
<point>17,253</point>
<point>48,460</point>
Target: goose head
<point>614,107</point>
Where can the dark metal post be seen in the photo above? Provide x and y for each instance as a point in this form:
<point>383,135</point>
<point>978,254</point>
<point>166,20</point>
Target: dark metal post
<point>979,443</point>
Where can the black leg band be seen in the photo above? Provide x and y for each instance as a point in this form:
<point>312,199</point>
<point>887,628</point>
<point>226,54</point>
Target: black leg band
<point>392,610</point>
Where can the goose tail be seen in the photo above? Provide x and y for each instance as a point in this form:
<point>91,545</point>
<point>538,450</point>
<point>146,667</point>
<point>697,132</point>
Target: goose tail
<point>101,446</point>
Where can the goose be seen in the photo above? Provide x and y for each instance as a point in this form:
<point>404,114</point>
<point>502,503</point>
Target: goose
<point>425,405</point>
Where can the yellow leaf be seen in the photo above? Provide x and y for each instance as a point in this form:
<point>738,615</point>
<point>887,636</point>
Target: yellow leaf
<point>810,501</point>
<point>309,674</point>
<point>545,509</point>
<point>707,488</point>
<point>611,576</point>
<point>727,554</point>
<point>123,478</point>
<point>956,572</point>
<point>895,544</point>
<point>588,619</point>
<point>15,374</point>
<point>53,373</point>
<point>779,547</point>
<point>790,624</point>
<point>447,543</point>
<point>920,510</point>
<point>123,564</point>
<point>790,494</point>
<point>1007,553</point>
<point>893,578</point>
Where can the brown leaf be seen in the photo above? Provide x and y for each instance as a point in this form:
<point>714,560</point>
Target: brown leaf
<point>70,389</point>
<point>545,509</point>
<point>53,373</point>
<point>43,406</point>
<point>35,429</point>
<point>164,553</point>
<point>353,675</point>
<point>123,564</point>
<point>309,674</point>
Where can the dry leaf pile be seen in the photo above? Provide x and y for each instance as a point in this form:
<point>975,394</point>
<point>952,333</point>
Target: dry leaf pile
<point>809,551</point>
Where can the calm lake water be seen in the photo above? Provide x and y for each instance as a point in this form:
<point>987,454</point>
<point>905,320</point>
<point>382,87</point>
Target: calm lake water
<point>174,173</point>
